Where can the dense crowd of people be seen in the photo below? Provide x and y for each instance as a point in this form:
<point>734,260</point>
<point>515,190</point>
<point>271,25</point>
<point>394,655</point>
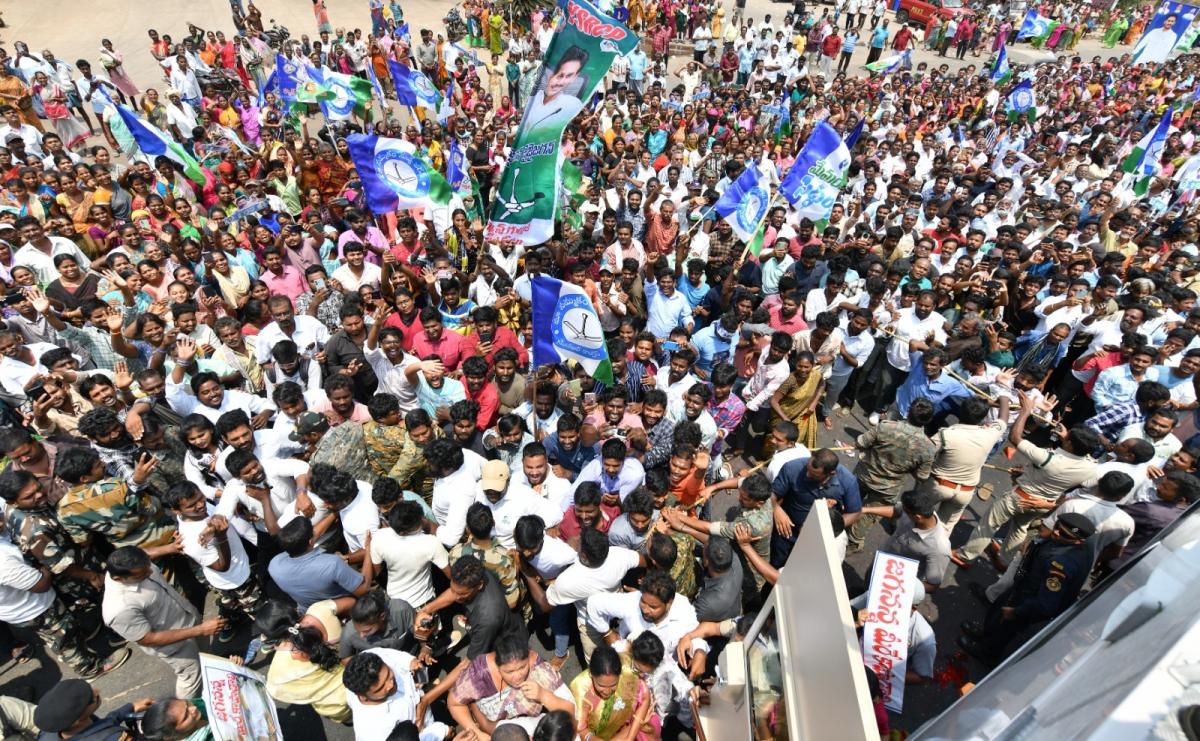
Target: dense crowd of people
<point>248,397</point>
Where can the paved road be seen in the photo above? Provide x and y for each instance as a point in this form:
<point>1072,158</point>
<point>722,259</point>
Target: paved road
<point>72,30</point>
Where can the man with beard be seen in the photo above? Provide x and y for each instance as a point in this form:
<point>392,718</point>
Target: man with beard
<point>677,377</point>
<point>786,315</point>
<point>917,330</point>
<point>461,429</point>
<point>617,475</point>
<point>343,353</point>
<point>693,407</point>
<point>535,472</point>
<point>565,451</point>
<point>510,501</point>
<point>509,383</point>
<point>410,470</point>
<point>656,436</point>
<point>209,398</point>
<point>385,354</point>
<point>384,434</point>
<point>309,334</point>
<point>111,441</point>
<point>121,511</point>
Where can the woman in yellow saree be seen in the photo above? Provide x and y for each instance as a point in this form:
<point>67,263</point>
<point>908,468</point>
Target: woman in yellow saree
<point>797,399</point>
<point>612,702</point>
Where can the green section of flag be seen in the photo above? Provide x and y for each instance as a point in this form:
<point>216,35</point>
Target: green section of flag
<point>308,91</point>
<point>756,242</point>
<point>363,92</point>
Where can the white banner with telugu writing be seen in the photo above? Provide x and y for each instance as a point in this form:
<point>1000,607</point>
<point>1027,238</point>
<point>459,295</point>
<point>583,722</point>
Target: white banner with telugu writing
<point>885,631</point>
<point>238,705</point>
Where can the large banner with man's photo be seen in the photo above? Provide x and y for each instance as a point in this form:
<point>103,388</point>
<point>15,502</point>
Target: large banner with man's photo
<point>580,53</point>
<point>1172,27</point>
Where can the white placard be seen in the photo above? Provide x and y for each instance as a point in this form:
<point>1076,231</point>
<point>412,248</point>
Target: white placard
<point>238,704</point>
<point>885,631</point>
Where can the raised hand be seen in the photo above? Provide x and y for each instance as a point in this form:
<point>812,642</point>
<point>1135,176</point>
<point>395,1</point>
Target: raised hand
<point>185,349</point>
<point>115,319</point>
<point>122,378</point>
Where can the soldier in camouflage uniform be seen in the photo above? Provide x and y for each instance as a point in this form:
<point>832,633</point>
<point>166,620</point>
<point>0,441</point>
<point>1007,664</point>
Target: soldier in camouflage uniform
<point>495,557</point>
<point>890,451</point>
<point>122,513</point>
<point>43,612</point>
<point>343,447</point>
<point>77,570</point>
<point>755,510</point>
<point>410,469</point>
<point>384,435</point>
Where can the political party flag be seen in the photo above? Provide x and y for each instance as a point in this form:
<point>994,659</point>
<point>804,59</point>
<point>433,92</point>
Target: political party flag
<point>154,143</point>
<point>394,176</point>
<point>1144,160</point>
<point>346,93</point>
<point>457,172</point>
<point>576,60</point>
<point>1036,26</point>
<point>744,203</point>
<point>413,88</point>
<point>287,78</point>
<point>891,63</point>
<point>405,34</point>
<point>1001,72</point>
<point>783,120</point>
<point>1021,102</point>
<point>566,327</point>
<point>818,175</point>
<point>270,85</point>
<point>375,86</point>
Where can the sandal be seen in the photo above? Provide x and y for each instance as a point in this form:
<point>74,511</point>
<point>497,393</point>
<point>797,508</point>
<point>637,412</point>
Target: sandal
<point>22,653</point>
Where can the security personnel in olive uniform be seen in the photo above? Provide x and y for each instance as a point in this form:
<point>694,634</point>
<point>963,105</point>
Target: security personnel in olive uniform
<point>1048,580</point>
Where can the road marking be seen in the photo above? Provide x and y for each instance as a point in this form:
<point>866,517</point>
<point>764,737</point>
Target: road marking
<point>133,689</point>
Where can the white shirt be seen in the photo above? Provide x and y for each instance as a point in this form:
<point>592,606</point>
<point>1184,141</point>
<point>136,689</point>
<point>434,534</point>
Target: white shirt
<point>392,379</point>
<point>181,400</point>
<point>14,373</point>
<point>359,518</point>
<point>408,558</point>
<point>18,604</point>
<point>375,722</point>
<point>42,264</point>
<point>1112,523</point>
<point>186,83</point>
<point>859,345</point>
<point>238,570</point>
<point>783,457</point>
<point>518,501</point>
<point>554,558</point>
<point>371,274</point>
<point>625,609</point>
<point>909,327</point>
<point>453,496</point>
<point>579,582</point>
<point>310,336</point>
<point>556,490</point>
<point>281,477</point>
<point>674,391</point>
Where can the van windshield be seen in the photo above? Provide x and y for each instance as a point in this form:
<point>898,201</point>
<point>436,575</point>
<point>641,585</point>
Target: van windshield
<point>952,3</point>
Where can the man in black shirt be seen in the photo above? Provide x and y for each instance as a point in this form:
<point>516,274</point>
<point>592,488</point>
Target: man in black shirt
<point>480,594</point>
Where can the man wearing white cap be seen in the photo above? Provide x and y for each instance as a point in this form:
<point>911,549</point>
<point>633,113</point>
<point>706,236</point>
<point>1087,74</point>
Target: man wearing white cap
<point>510,502</point>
